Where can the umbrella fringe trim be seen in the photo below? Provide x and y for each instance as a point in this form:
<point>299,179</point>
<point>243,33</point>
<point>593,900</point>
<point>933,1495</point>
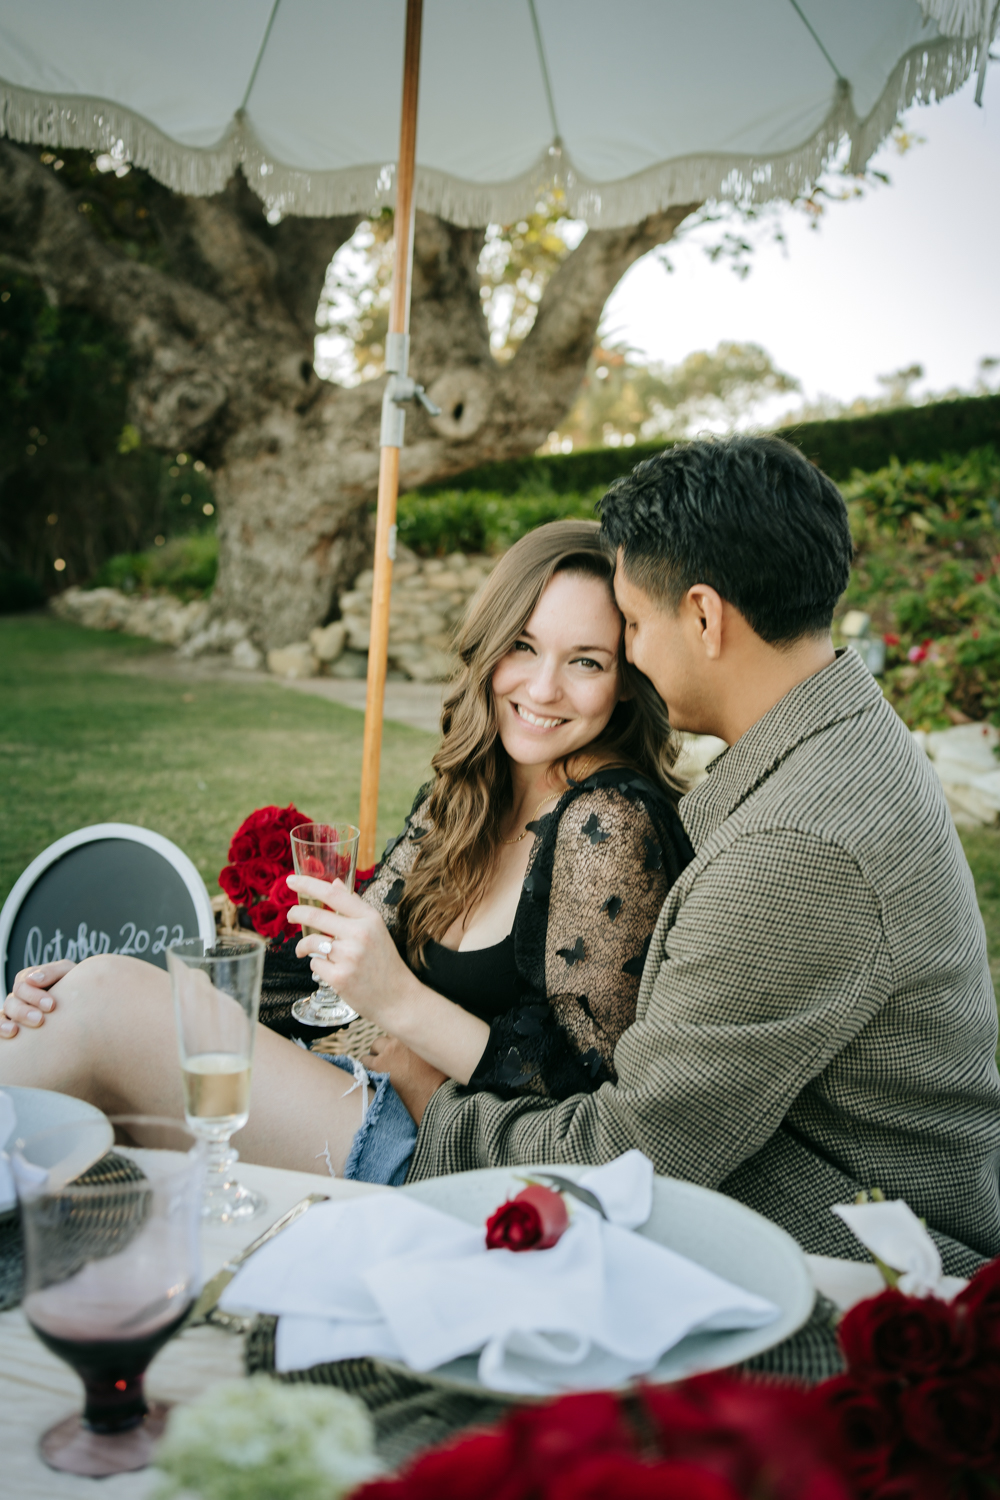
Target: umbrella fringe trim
<point>927,72</point>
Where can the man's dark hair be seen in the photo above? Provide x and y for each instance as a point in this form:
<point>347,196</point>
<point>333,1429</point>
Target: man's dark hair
<point>750,516</point>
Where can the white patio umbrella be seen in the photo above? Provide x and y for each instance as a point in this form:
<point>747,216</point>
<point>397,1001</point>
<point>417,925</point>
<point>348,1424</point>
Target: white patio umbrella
<point>627,105</point>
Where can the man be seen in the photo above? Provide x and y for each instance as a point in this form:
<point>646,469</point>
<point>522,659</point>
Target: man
<point>816,1015</point>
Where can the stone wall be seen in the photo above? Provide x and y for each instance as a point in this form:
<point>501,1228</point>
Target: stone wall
<point>429,598</point>
<point>159,617</point>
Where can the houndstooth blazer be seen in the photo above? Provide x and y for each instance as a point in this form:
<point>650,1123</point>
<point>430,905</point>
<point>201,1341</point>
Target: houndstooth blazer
<point>816,1014</point>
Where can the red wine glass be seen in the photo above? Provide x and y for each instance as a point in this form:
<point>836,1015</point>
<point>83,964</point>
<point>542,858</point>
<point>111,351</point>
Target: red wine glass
<point>111,1268</point>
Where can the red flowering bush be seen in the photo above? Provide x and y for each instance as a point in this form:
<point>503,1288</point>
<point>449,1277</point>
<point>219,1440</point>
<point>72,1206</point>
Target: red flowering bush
<point>716,1437</point>
<point>260,856</point>
<point>917,1416</point>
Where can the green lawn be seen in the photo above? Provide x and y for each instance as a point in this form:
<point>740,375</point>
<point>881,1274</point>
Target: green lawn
<point>83,743</point>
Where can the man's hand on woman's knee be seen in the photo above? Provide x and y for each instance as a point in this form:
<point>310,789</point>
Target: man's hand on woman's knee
<point>414,1080</point>
<point>29,1000</point>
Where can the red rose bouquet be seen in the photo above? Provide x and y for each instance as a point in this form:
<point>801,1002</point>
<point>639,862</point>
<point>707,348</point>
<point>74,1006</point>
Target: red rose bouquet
<point>917,1415</point>
<point>260,856</point>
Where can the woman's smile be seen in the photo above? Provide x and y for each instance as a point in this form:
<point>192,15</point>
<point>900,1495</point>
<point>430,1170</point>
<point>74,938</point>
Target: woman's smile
<point>535,720</point>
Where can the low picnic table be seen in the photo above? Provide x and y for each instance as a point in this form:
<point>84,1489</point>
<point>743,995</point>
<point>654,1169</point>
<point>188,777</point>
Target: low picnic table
<point>37,1389</point>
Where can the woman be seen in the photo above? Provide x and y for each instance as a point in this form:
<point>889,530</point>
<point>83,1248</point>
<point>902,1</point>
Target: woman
<point>502,940</point>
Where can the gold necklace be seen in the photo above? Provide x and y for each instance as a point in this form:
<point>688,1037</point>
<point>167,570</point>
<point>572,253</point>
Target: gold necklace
<point>534,815</point>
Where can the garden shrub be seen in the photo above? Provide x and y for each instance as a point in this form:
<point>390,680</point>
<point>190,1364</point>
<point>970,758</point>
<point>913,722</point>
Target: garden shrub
<point>927,570</point>
<point>186,566</point>
<point>19,592</point>
<point>77,484</point>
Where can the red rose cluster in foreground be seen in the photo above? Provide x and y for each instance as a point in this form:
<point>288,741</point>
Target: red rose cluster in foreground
<point>918,1413</point>
<point>260,856</point>
<point>713,1438</point>
<point>916,1417</point>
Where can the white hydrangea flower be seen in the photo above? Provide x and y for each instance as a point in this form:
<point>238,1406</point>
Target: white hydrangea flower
<point>260,1439</point>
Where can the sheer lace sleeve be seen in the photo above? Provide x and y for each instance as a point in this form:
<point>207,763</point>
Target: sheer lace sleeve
<point>592,895</point>
<point>385,888</point>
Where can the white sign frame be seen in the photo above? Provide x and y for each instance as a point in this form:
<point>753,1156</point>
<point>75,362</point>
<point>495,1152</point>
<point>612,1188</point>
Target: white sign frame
<point>96,833</point>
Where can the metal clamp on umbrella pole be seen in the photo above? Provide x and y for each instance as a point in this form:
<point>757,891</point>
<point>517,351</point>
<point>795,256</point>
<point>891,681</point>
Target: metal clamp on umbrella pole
<point>399,388</point>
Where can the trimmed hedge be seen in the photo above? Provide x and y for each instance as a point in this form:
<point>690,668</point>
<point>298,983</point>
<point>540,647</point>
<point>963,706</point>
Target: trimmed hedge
<point>913,434</point>
<point>840,446</point>
<point>477,521</point>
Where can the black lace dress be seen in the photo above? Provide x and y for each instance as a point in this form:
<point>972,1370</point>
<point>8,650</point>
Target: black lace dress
<point>599,870</point>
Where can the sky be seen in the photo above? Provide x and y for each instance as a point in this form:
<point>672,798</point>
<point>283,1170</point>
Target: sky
<point>908,275</point>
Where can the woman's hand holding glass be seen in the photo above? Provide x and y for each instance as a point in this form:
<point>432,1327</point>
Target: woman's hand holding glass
<point>351,948</point>
<point>352,951</point>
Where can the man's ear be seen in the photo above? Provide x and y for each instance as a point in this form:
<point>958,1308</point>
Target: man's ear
<point>705,607</point>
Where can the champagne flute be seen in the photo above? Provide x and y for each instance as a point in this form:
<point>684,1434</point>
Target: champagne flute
<point>216,1000</point>
<point>327,851</point>
<point>111,1269</point>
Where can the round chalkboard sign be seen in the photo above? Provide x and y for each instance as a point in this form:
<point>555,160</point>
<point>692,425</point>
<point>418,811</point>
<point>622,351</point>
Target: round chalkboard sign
<point>111,888</point>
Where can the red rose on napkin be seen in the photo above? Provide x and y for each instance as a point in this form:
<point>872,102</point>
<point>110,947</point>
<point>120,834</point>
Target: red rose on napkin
<point>533,1220</point>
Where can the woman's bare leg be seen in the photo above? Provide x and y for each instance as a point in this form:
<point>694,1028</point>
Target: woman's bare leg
<point>111,1041</point>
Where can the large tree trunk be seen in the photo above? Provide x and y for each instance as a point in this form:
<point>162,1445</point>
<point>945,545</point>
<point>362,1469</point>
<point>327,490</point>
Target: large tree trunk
<point>221,322</point>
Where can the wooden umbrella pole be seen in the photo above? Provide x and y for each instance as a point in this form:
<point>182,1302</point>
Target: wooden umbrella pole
<point>392,429</point>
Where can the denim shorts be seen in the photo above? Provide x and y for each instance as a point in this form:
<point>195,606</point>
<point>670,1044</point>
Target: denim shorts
<point>382,1147</point>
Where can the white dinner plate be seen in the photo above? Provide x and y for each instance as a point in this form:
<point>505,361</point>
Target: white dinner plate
<point>43,1109</point>
<point>709,1228</point>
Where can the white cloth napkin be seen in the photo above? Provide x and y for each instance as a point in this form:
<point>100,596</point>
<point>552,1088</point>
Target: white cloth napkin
<point>389,1276</point>
<point>8,1119</point>
<point>893,1232</point>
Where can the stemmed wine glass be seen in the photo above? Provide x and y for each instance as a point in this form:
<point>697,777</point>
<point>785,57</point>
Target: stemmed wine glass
<point>216,1001</point>
<point>111,1268</point>
<point>327,851</point>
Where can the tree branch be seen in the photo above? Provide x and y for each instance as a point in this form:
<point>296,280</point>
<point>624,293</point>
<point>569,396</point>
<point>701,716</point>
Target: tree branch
<point>551,362</point>
<point>446,321</point>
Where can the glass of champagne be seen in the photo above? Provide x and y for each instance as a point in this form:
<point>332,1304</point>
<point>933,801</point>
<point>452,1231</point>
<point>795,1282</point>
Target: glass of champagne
<point>327,851</point>
<point>216,1000</point>
<point>111,1268</point>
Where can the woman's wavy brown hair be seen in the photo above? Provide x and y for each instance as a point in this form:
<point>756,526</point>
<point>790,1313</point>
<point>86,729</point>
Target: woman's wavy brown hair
<point>471,792</point>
